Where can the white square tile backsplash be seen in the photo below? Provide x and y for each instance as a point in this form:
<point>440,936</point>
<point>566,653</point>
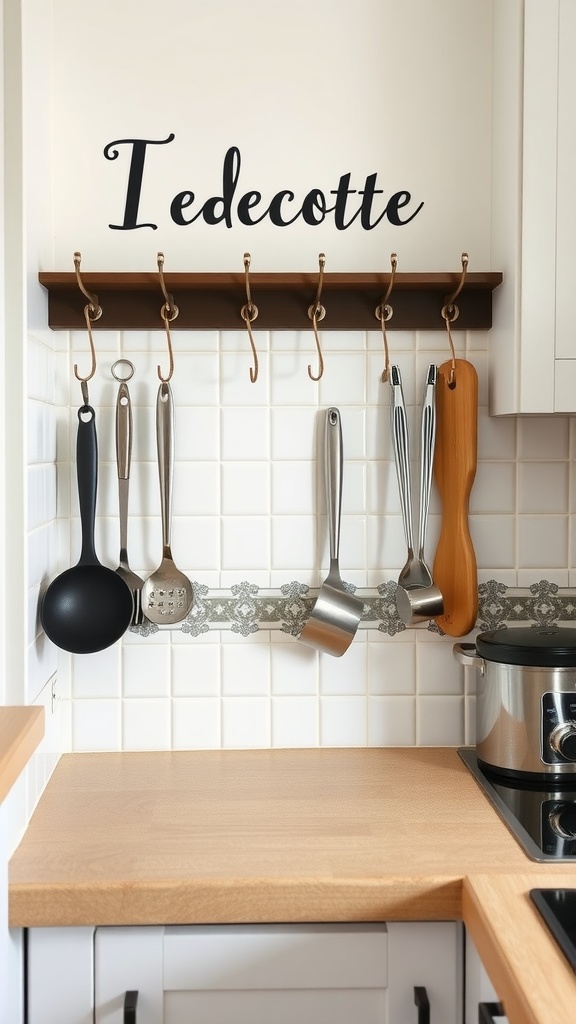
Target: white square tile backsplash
<point>249,519</point>
<point>343,721</point>
<point>246,722</point>
<point>295,722</point>
<point>146,724</point>
<point>196,723</point>
<point>391,721</point>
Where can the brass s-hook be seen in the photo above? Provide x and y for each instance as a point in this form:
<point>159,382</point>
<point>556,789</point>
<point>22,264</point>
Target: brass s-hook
<point>168,312</point>
<point>316,312</point>
<point>450,313</point>
<point>92,311</point>
<point>384,312</point>
<point>249,312</point>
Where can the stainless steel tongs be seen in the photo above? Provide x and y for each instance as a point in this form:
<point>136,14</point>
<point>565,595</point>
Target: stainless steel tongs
<point>417,596</point>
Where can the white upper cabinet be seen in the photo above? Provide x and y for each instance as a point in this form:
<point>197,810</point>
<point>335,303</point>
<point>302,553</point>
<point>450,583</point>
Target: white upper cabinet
<point>533,340</point>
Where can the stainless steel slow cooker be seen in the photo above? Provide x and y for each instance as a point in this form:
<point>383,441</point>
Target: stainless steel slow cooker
<point>525,700</point>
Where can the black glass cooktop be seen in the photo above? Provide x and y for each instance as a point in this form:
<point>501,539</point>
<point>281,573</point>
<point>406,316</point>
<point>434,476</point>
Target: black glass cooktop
<point>541,818</point>
<point>558,908</point>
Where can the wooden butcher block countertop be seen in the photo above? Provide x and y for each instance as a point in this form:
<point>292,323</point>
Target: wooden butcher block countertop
<point>21,730</point>
<point>284,835</point>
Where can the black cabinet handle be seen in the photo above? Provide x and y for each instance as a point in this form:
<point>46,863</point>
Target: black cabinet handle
<point>423,1003</point>
<point>130,1001</point>
<point>487,1012</point>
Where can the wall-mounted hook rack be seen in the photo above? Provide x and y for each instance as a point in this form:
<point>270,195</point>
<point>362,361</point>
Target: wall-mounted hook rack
<point>210,301</point>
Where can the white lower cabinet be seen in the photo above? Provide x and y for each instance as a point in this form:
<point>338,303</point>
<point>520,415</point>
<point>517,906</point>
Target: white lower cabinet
<point>373,973</point>
<point>482,1003</point>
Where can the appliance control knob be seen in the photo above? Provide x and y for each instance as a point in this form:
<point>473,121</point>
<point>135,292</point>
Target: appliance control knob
<point>562,740</point>
<point>563,820</point>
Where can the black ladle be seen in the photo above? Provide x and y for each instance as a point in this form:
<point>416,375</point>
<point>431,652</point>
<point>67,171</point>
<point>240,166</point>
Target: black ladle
<point>88,607</point>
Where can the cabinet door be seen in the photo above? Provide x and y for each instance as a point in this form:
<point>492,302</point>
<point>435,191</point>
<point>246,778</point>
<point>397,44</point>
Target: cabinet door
<point>532,352</point>
<point>427,954</point>
<point>60,980</point>
<point>128,959</point>
<point>478,987</point>
<point>254,974</point>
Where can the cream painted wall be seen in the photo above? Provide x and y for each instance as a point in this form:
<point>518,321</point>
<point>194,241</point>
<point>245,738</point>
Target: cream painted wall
<point>307,92</point>
<point>247,473</point>
<point>25,664</point>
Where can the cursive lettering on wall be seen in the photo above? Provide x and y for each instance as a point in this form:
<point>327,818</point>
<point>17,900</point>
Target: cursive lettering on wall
<point>250,208</point>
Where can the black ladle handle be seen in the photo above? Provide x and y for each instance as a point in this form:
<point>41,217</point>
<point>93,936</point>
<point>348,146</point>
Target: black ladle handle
<point>87,474</point>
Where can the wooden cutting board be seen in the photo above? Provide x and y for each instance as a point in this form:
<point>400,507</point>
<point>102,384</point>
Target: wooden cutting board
<point>455,459</point>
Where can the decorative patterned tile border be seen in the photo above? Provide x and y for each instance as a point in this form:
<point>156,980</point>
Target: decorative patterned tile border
<point>246,608</point>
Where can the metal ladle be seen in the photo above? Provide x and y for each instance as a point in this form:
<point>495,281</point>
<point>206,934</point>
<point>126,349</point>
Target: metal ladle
<point>336,613</point>
<point>417,596</point>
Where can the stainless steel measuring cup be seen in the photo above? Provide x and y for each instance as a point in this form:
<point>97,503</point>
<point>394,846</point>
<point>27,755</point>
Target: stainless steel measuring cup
<point>417,596</point>
<point>336,613</point>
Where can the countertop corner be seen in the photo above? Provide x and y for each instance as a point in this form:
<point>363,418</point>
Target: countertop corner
<point>21,731</point>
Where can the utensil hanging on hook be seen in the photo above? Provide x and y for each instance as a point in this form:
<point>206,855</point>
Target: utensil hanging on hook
<point>88,607</point>
<point>336,614</point>
<point>417,596</point>
<point>123,461</point>
<point>167,594</point>
<point>455,468</point>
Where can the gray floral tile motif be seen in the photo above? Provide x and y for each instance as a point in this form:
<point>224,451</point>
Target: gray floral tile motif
<point>542,604</point>
<point>295,607</point>
<point>246,608</point>
<point>494,608</point>
<point>385,610</point>
<point>544,607</point>
<point>197,620</point>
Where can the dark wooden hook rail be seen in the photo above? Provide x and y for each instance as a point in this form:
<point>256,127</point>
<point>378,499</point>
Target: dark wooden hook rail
<point>213,301</point>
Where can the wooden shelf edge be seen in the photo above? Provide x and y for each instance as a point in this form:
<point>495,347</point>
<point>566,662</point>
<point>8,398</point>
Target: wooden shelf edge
<point>21,731</point>
<point>213,301</point>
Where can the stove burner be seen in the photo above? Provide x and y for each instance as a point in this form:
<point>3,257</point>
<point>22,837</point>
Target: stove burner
<point>541,815</point>
<point>558,908</point>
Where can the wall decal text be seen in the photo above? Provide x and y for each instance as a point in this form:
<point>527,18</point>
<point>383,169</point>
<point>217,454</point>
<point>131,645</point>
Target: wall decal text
<point>343,204</point>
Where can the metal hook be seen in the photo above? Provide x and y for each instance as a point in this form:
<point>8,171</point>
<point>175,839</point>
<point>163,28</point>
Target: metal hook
<point>95,309</point>
<point>168,312</point>
<point>317,312</point>
<point>92,311</point>
<point>449,310</point>
<point>384,312</point>
<point>249,312</point>
<point>450,313</point>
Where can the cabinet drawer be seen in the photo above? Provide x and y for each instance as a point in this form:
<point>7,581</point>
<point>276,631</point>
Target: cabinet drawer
<point>279,1006</point>
<point>243,957</point>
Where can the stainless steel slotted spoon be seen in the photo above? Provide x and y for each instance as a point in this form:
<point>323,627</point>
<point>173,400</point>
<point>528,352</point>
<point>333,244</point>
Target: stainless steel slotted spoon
<point>167,594</point>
